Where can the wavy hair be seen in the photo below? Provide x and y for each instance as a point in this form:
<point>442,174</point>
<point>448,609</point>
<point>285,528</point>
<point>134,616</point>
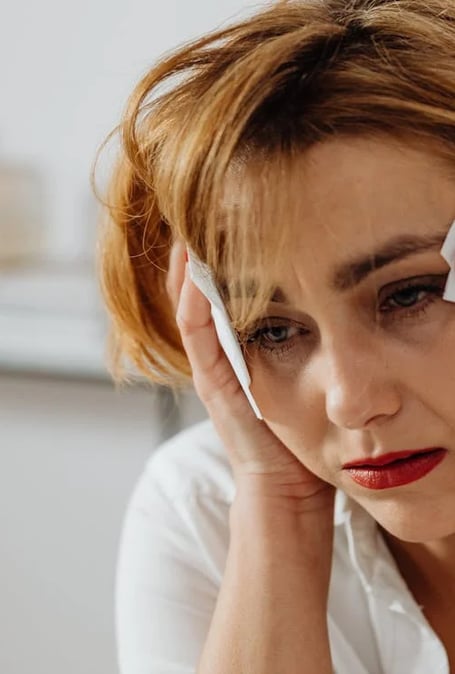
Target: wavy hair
<point>210,134</point>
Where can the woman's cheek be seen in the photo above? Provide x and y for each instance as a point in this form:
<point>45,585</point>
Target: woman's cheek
<point>301,436</point>
<point>275,388</point>
<point>297,419</point>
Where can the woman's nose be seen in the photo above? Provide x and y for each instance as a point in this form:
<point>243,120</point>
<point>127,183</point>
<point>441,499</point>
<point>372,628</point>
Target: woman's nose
<point>360,384</point>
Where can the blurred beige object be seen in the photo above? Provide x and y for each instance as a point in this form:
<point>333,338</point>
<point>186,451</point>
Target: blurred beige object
<point>21,213</point>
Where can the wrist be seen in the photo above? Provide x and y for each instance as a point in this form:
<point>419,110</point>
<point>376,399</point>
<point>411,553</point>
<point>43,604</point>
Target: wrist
<point>280,535</point>
<point>275,507</point>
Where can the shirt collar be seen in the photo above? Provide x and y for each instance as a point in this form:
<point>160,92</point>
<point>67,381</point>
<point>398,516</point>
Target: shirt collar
<point>371,557</point>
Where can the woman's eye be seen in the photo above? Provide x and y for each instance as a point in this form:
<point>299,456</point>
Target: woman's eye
<point>278,333</point>
<point>414,296</point>
<point>276,339</point>
<point>408,297</point>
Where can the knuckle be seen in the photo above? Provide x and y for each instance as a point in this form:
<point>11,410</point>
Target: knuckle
<point>184,325</point>
<point>216,383</point>
<point>187,326</point>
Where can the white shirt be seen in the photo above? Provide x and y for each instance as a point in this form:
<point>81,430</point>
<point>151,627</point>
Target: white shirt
<point>172,556</point>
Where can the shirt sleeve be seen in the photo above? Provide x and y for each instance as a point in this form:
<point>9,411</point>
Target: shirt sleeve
<point>169,569</point>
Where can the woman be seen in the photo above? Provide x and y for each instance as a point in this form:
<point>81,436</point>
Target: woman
<point>306,155</point>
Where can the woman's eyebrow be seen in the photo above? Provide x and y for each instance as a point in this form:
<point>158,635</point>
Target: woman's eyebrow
<point>350,273</point>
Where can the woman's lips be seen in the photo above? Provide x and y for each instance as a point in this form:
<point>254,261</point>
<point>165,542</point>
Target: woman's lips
<point>394,469</point>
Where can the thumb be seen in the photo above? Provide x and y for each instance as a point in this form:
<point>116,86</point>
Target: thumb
<point>176,272</point>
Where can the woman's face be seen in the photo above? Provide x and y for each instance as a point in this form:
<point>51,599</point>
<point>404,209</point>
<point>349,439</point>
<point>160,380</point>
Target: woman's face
<point>357,360</point>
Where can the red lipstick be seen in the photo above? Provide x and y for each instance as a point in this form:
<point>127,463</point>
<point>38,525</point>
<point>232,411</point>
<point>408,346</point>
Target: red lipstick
<point>395,468</point>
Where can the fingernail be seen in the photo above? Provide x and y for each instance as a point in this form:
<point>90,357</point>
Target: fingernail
<point>186,255</point>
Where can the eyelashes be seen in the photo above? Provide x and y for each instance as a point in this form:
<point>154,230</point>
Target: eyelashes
<point>281,338</point>
<point>276,339</point>
<point>412,296</point>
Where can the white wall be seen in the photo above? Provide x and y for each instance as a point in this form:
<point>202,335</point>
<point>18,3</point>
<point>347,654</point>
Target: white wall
<point>66,69</point>
<point>70,453</point>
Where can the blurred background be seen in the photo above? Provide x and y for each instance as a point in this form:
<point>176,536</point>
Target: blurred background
<point>72,446</point>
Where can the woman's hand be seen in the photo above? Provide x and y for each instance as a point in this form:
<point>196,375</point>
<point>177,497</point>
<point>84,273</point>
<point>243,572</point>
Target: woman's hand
<point>277,573</point>
<point>261,463</point>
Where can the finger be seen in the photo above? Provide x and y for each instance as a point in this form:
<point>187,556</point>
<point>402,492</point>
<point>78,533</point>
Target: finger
<point>216,383</point>
<point>176,272</point>
<point>214,378</point>
<point>200,339</point>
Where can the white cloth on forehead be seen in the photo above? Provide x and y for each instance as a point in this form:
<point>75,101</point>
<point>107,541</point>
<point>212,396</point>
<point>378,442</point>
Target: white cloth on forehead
<point>448,253</point>
<point>172,556</point>
<point>202,277</point>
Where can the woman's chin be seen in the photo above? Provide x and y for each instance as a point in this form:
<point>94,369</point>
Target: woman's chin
<point>412,525</point>
<point>408,533</point>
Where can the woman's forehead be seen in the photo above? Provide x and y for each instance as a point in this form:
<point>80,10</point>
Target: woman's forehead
<point>335,214</point>
<point>342,192</point>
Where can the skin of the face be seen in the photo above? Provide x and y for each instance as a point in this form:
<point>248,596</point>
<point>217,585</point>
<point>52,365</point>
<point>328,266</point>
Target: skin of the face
<point>370,369</point>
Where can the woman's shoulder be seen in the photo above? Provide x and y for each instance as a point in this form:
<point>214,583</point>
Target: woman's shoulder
<point>192,463</point>
<point>179,511</point>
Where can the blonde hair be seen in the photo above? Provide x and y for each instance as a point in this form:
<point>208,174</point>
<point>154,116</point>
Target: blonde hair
<point>211,132</point>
